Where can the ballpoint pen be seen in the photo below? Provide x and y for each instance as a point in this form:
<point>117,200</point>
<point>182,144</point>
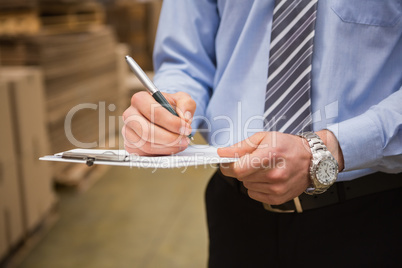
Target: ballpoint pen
<point>156,94</point>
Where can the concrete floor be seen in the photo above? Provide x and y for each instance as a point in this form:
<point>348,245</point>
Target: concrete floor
<point>130,218</point>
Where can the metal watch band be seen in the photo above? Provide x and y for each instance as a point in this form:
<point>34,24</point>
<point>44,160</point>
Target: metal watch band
<point>318,150</point>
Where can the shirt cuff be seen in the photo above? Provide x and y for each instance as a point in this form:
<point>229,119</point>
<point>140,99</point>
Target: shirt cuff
<point>360,140</point>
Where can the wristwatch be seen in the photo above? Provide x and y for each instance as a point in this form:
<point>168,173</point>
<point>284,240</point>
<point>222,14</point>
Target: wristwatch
<point>323,167</point>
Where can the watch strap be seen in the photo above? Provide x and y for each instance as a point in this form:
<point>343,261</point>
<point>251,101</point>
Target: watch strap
<point>318,150</point>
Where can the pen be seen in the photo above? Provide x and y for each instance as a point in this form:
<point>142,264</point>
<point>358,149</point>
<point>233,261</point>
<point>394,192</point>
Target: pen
<point>156,94</point>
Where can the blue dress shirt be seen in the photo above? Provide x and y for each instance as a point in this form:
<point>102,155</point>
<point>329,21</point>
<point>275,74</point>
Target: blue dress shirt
<point>217,51</point>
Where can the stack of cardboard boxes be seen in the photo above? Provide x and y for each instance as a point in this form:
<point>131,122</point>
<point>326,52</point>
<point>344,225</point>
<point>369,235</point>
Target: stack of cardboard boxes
<point>63,84</point>
<point>83,80</point>
<point>26,186</point>
<point>58,89</point>
<point>79,69</point>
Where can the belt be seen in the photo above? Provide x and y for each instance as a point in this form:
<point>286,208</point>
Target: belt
<point>337,193</point>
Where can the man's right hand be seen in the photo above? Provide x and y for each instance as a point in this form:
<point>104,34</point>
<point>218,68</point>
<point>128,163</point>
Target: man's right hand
<point>150,129</point>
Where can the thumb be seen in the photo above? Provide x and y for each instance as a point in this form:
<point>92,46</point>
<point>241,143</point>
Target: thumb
<point>185,105</point>
<point>242,148</point>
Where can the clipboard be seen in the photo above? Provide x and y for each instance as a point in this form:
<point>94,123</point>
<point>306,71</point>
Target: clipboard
<point>192,156</point>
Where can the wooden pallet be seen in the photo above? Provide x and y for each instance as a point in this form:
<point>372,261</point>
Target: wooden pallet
<point>66,18</point>
<point>19,22</point>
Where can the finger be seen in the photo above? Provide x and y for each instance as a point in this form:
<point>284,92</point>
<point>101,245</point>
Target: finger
<point>250,166</point>
<point>150,132</point>
<point>131,138</point>
<point>244,167</point>
<point>258,176</point>
<point>257,187</point>
<point>134,144</point>
<point>184,104</point>
<point>261,166</point>
<point>155,113</point>
<point>268,199</point>
<point>276,189</point>
<point>227,169</point>
<point>242,148</point>
<point>135,141</point>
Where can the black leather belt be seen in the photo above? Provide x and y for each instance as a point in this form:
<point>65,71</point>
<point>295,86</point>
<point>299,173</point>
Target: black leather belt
<point>339,192</point>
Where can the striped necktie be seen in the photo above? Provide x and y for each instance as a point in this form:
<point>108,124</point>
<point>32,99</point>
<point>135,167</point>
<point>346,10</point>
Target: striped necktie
<point>287,99</point>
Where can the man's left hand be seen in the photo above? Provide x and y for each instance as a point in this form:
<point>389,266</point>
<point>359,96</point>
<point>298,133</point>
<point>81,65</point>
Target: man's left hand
<point>273,166</point>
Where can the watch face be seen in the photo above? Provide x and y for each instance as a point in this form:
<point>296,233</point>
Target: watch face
<point>327,171</point>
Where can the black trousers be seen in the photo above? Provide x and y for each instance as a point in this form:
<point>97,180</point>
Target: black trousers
<point>362,232</point>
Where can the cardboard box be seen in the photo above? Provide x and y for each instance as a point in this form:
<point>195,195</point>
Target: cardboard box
<point>11,216</point>
<point>26,98</point>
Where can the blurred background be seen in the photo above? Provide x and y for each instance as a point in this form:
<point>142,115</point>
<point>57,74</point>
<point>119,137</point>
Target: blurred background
<point>64,83</point>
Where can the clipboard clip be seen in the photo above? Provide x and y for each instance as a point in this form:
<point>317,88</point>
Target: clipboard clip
<point>90,161</point>
<point>90,158</point>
